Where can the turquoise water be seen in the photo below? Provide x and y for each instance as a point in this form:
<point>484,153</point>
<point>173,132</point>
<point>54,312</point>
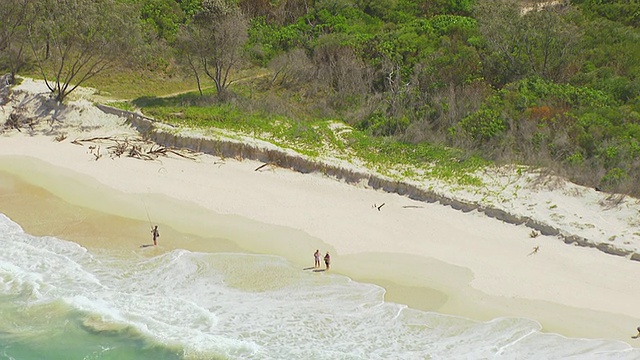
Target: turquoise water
<point>59,300</point>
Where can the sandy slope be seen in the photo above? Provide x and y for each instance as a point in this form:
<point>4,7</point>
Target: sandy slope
<point>427,255</point>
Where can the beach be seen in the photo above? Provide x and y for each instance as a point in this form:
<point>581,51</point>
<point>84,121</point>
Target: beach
<point>427,256</point>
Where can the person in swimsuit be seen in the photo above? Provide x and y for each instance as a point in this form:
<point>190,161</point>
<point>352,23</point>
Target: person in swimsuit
<point>316,256</point>
<point>155,234</point>
<point>327,260</point>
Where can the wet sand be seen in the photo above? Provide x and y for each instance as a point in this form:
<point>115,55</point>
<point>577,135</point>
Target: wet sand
<point>49,200</point>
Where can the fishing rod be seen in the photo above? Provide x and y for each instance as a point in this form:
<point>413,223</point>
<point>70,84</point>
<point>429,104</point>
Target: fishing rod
<point>148,217</point>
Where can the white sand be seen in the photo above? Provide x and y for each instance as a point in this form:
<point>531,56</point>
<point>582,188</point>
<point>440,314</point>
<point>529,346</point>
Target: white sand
<point>481,265</point>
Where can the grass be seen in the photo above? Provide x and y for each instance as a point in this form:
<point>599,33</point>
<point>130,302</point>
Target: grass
<point>125,84</point>
<point>315,138</point>
<point>305,137</point>
<point>176,101</point>
<point>133,84</point>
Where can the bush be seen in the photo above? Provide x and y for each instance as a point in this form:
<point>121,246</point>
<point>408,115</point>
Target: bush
<point>614,178</point>
<point>378,124</point>
<point>483,125</point>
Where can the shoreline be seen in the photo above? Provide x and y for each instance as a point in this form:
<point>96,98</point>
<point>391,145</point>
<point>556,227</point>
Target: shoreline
<point>437,286</point>
<point>426,255</point>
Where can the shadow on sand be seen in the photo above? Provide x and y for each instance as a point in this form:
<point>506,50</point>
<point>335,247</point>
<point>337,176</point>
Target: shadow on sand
<point>315,269</point>
<point>146,245</point>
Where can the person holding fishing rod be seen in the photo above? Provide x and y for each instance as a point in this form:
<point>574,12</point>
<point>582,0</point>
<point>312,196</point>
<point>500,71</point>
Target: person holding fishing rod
<point>156,234</point>
<point>154,230</point>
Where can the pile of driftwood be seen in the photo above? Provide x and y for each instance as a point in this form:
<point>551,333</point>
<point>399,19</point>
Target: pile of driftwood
<point>18,120</point>
<point>137,148</point>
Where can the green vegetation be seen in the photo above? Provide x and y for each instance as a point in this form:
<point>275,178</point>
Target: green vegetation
<point>418,89</point>
<point>316,138</point>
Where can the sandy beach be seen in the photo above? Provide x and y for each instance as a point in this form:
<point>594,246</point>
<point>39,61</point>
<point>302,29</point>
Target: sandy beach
<point>426,255</point>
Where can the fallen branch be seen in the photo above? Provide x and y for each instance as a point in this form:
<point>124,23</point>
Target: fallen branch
<point>535,250</point>
<point>181,155</point>
<point>119,148</point>
<point>263,165</point>
<point>97,138</point>
<point>17,120</point>
<point>96,153</point>
<point>132,147</point>
<point>159,151</point>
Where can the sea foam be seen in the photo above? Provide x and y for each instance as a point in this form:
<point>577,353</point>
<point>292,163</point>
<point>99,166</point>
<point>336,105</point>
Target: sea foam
<point>244,306</point>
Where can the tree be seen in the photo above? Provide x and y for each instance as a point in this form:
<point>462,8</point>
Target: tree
<point>14,17</point>
<point>526,41</point>
<point>214,42</point>
<point>500,23</point>
<point>74,40</point>
<point>549,42</point>
<point>291,69</point>
<point>187,51</point>
<point>229,36</point>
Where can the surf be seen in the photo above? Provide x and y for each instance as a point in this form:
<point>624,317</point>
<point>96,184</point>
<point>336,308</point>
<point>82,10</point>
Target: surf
<point>193,305</point>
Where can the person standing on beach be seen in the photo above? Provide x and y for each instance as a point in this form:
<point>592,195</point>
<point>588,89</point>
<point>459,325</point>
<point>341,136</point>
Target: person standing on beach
<point>156,234</point>
<point>327,260</point>
<point>316,256</point>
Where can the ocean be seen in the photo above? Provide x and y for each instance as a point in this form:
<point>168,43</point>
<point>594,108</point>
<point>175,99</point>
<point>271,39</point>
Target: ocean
<point>59,300</point>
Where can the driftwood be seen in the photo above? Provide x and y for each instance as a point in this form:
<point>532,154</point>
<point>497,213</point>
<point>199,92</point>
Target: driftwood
<point>17,120</point>
<point>13,122</point>
<point>95,151</point>
<point>612,201</point>
<point>135,148</point>
<point>93,139</point>
<point>263,165</point>
<point>179,153</point>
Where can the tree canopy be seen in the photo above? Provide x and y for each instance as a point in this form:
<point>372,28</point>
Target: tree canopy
<point>73,40</point>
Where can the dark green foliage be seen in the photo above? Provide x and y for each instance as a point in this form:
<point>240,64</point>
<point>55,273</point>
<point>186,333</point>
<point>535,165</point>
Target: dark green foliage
<point>534,91</point>
<point>561,78</point>
<point>378,124</point>
<point>267,40</point>
<point>611,59</point>
<point>626,12</point>
<point>163,17</point>
<point>445,24</point>
<point>483,125</point>
<point>190,7</point>
<point>580,127</point>
<point>556,86</point>
<point>456,7</point>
